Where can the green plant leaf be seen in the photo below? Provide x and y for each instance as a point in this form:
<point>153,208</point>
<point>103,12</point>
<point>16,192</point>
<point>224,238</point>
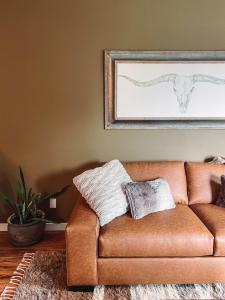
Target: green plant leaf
<point>8,200</point>
<point>20,191</point>
<point>31,206</point>
<point>23,209</point>
<point>29,197</point>
<point>34,208</point>
<point>23,183</point>
<point>55,194</point>
<point>18,212</point>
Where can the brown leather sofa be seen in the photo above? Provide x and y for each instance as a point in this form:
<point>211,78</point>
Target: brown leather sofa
<point>181,245</point>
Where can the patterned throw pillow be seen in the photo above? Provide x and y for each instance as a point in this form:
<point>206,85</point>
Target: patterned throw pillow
<point>221,198</point>
<point>149,197</point>
<point>102,189</point>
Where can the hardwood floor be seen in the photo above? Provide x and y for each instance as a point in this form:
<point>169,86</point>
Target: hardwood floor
<point>10,256</point>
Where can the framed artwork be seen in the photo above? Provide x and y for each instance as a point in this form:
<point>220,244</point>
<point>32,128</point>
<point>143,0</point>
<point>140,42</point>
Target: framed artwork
<point>160,90</point>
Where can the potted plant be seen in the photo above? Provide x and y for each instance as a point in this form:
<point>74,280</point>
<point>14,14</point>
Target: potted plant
<point>26,225</point>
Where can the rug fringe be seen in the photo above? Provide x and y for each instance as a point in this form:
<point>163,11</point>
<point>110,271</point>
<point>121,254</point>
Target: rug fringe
<point>10,290</point>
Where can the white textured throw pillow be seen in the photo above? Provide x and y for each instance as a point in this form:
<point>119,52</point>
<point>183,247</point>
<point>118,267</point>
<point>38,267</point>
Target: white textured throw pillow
<point>102,189</point>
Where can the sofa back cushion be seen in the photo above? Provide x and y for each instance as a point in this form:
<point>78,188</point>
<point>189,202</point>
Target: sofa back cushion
<point>203,180</point>
<point>173,171</point>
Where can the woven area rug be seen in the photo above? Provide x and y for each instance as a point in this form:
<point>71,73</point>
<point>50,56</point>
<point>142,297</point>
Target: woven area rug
<point>42,276</point>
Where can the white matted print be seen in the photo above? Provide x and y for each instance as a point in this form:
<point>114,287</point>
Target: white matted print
<point>169,90</point>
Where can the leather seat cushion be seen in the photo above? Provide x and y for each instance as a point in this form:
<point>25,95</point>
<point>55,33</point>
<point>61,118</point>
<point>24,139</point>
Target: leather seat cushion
<point>174,232</point>
<point>173,171</point>
<point>214,218</point>
<point>204,181</point>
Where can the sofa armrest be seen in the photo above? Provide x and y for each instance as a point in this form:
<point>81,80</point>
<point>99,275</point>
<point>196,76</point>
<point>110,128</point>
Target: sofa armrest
<point>82,234</point>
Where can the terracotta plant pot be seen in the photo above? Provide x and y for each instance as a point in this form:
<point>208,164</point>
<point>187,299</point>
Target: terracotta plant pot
<point>22,235</point>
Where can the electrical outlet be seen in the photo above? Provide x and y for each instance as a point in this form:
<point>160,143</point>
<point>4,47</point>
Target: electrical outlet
<point>53,203</point>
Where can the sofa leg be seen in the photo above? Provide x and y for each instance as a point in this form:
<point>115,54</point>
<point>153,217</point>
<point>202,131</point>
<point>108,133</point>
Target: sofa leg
<point>81,288</point>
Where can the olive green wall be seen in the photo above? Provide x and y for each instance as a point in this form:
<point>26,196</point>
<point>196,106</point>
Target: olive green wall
<point>51,85</point>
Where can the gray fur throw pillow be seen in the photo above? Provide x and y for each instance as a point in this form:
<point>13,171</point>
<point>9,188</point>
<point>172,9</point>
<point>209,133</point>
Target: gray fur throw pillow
<point>221,198</point>
<point>148,197</point>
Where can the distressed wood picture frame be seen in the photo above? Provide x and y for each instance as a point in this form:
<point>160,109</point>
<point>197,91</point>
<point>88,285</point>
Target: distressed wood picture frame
<point>164,90</point>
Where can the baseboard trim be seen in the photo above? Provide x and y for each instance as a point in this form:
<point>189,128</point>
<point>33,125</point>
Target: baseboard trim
<point>48,227</point>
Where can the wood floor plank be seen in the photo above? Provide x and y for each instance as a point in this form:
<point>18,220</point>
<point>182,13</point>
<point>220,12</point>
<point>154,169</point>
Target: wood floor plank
<point>11,256</point>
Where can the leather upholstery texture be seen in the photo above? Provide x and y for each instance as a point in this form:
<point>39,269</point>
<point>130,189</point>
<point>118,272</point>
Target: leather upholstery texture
<point>81,245</point>
<point>213,217</point>
<point>203,181</point>
<point>174,172</point>
<point>119,271</point>
<point>174,232</point>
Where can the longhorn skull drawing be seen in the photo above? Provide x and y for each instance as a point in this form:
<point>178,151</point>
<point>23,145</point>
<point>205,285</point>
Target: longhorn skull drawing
<point>183,85</point>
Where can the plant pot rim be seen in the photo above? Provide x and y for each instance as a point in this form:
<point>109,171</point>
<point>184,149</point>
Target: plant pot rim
<point>26,224</point>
